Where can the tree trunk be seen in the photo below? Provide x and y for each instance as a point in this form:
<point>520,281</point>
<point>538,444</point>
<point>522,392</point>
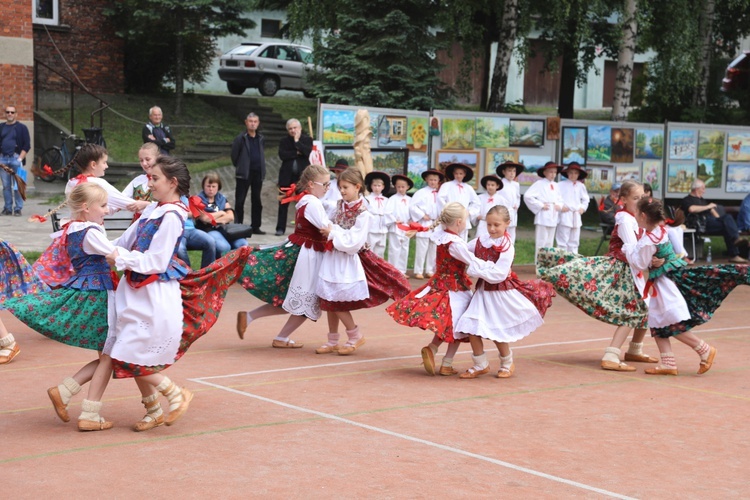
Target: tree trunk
<point>625,60</point>
<point>179,82</point>
<point>704,63</point>
<point>506,41</point>
<point>568,70</point>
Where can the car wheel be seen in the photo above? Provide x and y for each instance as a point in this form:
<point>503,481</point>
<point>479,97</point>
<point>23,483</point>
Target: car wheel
<point>235,89</point>
<point>268,86</point>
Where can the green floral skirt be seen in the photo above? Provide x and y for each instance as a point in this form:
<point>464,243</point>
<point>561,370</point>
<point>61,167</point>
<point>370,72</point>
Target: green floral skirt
<point>600,286</point>
<point>268,272</point>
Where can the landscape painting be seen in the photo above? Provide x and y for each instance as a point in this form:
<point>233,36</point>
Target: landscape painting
<point>532,163</point>
<point>738,178</point>
<point>390,161</point>
<point>417,164</point>
<point>709,171</point>
<point>622,145</point>
<point>458,133</point>
<point>738,146</point>
<point>333,153</point>
<point>680,177</point>
<point>599,143</point>
<point>600,178</point>
<point>574,145</point>
<point>711,144</point>
<point>652,174</point>
<point>526,133</point>
<point>492,132</point>
<point>628,173</point>
<point>443,158</point>
<point>649,144</point>
<point>682,146</point>
<point>338,126</point>
<point>495,156</point>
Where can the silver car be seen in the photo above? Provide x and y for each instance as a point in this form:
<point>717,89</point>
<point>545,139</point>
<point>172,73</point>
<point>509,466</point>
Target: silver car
<point>269,67</point>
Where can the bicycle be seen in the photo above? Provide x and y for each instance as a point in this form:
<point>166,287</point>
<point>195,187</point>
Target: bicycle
<point>54,158</point>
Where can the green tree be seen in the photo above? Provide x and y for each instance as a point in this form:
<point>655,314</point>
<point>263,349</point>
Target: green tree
<point>170,41</point>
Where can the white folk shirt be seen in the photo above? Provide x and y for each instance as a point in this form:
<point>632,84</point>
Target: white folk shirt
<point>397,210</point>
<point>541,192</point>
<point>512,193</point>
<point>376,205</point>
<point>425,202</point>
<point>462,193</point>
<point>575,197</point>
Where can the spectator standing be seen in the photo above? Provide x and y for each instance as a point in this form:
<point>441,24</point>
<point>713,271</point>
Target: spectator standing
<point>249,160</point>
<point>294,152</point>
<point>157,132</point>
<point>15,142</point>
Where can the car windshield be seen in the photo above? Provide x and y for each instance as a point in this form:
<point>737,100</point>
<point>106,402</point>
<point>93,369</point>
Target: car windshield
<point>305,55</point>
<point>243,50</point>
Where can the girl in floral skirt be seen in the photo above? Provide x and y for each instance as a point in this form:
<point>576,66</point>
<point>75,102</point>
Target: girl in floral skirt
<point>286,277</point>
<point>680,297</point>
<point>352,277</point>
<point>503,308</point>
<point>439,303</point>
<point>605,287</point>
<point>16,279</point>
<point>79,312</point>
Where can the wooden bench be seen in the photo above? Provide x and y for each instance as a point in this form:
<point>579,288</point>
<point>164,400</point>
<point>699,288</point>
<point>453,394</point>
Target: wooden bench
<point>119,221</point>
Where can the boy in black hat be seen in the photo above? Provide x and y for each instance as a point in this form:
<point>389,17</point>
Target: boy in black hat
<point>544,200</point>
<point>509,172</point>
<point>575,198</point>
<point>491,184</point>
<point>376,184</point>
<point>424,209</point>
<point>397,212</point>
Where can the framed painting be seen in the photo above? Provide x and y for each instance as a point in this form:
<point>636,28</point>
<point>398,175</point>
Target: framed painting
<point>711,145</point>
<point>416,134</point>
<point>710,172</point>
<point>738,178</point>
<point>526,133</point>
<point>622,145</point>
<point>333,153</point>
<point>444,157</point>
<point>599,146</point>
<point>574,145</point>
<point>458,133</point>
<point>492,132</point>
<point>532,163</point>
<point>495,156</point>
<point>390,160</point>
<point>652,173</point>
<point>680,177</point>
<point>392,131</point>
<point>338,126</point>
<point>738,147</point>
<point>553,128</point>
<point>374,120</point>
<point>600,178</point>
<point>649,144</point>
<point>628,173</point>
<point>682,146</point>
<point>417,164</point>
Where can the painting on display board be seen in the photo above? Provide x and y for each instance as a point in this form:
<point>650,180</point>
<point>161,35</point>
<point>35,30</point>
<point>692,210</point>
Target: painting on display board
<point>600,178</point>
<point>416,134</point>
<point>495,156</point>
<point>738,146</point>
<point>628,173</point>
<point>458,133</point>
<point>599,146</point>
<point>392,131</point>
<point>526,133</point>
<point>649,144</point>
<point>574,145</point>
<point>680,177</point>
<point>390,160</point>
<point>738,178</point>
<point>711,145</point>
<point>710,172</point>
<point>492,132</point>
<point>652,174</point>
<point>374,120</point>
<point>622,145</point>
<point>531,163</point>
<point>444,157</point>
<point>682,145</point>
<point>334,153</point>
<point>417,163</point>
<point>338,126</point>
<point>553,128</point>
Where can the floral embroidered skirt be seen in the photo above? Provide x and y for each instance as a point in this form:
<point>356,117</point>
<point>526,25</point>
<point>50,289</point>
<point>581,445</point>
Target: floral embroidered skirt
<point>17,278</point>
<point>268,272</point>
<point>600,286</point>
<point>384,282</point>
<point>704,288</point>
<point>203,293</point>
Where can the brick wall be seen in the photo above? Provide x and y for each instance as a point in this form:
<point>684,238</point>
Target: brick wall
<point>87,41</point>
<point>17,78</point>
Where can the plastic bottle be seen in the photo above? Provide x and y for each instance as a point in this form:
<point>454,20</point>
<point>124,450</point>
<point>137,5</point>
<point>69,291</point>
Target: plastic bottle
<point>708,255</point>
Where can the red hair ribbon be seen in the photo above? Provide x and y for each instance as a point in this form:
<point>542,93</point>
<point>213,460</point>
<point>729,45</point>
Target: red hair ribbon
<point>412,226</point>
<point>289,195</point>
<point>37,218</point>
<point>82,178</point>
<point>197,207</point>
<point>48,170</point>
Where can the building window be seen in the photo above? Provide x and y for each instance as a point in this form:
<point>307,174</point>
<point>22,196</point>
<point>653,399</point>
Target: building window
<point>46,11</point>
<point>270,28</point>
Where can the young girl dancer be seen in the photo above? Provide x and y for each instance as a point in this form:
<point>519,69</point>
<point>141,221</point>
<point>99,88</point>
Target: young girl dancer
<point>511,192</point>
<point>503,308</point>
<point>575,200</point>
<point>438,304</point>
<point>16,279</point>
<point>457,189</point>
<point>286,277</point>
<point>158,317</point>
<point>376,182</point>
<point>352,278</point>
<point>424,211</point>
<point>680,297</point>
<point>605,287</point>
<point>80,311</point>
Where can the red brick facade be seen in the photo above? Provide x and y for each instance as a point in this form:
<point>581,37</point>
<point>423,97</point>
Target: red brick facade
<point>17,79</point>
<point>86,39</point>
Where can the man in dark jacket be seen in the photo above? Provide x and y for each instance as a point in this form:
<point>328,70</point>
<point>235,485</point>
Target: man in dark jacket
<point>249,159</point>
<point>158,133</point>
<point>294,152</point>
<point>15,143</point>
